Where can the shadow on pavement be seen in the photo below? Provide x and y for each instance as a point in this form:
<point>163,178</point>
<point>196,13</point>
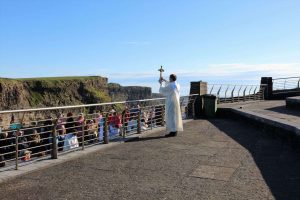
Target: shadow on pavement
<point>145,139</point>
<point>284,110</point>
<point>278,163</point>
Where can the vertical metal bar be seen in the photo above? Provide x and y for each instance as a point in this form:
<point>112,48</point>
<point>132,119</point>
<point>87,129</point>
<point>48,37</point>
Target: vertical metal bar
<point>239,93</point>
<point>219,90</point>
<point>105,131</point>
<point>17,142</point>
<point>211,89</point>
<point>54,151</point>
<point>232,97</point>
<point>139,127</point>
<point>226,93</point>
<point>17,150</point>
<point>299,83</point>
<point>250,93</point>
<point>284,84</point>
<point>163,115</point>
<point>83,133</point>
<point>151,118</point>
<point>254,95</point>
<point>244,94</point>
<point>124,124</point>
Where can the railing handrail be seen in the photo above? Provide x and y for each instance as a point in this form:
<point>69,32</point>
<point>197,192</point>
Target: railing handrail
<point>83,105</point>
<point>238,84</point>
<point>274,79</point>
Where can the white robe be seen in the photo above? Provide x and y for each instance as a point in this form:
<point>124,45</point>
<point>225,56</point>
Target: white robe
<point>173,113</point>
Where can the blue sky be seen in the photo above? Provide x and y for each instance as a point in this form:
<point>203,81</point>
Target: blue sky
<point>127,41</point>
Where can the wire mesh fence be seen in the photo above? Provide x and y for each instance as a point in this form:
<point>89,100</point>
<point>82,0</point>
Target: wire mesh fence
<point>31,134</point>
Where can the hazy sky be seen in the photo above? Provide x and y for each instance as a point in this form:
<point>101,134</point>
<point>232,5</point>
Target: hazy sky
<point>128,40</point>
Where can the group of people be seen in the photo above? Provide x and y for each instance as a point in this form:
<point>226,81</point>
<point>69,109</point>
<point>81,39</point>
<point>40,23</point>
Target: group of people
<point>72,131</point>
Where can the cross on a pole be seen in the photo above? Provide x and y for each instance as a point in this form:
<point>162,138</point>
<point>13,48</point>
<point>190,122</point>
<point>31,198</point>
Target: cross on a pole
<point>161,70</point>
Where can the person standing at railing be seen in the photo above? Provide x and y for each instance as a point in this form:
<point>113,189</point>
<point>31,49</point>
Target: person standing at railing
<point>170,89</point>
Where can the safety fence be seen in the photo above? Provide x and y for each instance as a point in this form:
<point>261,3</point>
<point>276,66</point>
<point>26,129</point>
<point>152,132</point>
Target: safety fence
<point>33,134</point>
<point>284,85</point>
<point>229,93</point>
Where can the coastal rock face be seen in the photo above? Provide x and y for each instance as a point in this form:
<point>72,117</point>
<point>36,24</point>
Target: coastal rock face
<point>46,92</point>
<point>121,93</point>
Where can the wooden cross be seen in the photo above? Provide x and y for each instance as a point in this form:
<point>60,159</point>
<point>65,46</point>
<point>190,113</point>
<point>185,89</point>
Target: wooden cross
<point>161,70</point>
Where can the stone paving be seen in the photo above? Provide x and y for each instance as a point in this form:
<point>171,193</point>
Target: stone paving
<point>272,108</point>
<point>216,159</point>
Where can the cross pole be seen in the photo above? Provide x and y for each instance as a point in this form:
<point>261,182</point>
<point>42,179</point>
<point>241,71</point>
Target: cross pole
<point>161,70</point>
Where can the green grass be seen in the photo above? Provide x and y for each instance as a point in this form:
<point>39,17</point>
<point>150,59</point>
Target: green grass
<point>35,98</point>
<point>58,78</point>
<point>101,95</point>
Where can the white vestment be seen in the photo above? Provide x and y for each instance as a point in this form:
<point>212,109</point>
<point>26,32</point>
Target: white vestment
<point>173,113</point>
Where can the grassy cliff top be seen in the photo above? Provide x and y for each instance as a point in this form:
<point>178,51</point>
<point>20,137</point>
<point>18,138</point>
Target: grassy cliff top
<point>61,78</point>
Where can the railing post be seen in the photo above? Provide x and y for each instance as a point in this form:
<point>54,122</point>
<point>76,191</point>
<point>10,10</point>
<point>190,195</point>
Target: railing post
<point>139,128</point>
<point>151,118</point>
<point>105,131</point>
<point>232,96</point>
<point>163,115</point>
<point>254,95</point>
<point>284,84</point>
<point>244,94</point>
<point>54,141</point>
<point>17,149</point>
<point>83,133</point>
<point>239,93</point>
<point>211,89</point>
<point>124,124</point>
<point>250,93</point>
<point>299,83</point>
<point>226,93</point>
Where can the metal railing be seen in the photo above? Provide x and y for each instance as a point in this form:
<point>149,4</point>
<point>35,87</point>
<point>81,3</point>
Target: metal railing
<point>283,85</point>
<point>28,135</point>
<point>230,93</point>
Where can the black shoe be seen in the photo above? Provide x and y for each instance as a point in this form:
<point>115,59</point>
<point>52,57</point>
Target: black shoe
<point>173,134</point>
<point>169,135</point>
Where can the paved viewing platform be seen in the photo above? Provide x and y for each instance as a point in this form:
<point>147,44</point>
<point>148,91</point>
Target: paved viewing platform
<point>269,114</point>
<point>211,159</point>
<point>271,108</point>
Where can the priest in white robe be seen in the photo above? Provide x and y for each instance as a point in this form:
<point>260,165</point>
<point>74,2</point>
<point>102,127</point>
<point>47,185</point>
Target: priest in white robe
<point>173,118</point>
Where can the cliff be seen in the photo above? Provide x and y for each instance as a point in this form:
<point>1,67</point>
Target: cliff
<point>60,91</point>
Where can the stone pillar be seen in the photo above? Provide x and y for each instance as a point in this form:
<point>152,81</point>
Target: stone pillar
<point>268,92</point>
<point>195,106</point>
